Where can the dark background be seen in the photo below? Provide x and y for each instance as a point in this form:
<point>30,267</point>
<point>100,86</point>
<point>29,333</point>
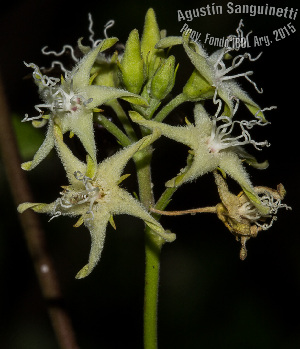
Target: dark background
<point>208,297</point>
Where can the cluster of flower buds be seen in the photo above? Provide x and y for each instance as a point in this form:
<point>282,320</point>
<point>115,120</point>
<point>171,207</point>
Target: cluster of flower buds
<point>143,74</point>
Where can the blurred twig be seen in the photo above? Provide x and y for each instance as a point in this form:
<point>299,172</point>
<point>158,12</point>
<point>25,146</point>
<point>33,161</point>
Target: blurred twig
<point>33,232</point>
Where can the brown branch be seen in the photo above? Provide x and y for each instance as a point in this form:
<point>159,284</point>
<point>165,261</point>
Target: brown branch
<point>34,234</point>
<point>208,209</point>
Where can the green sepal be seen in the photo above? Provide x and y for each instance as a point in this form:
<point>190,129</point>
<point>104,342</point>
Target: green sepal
<point>176,181</point>
<point>156,133</point>
<point>105,44</point>
<point>97,110</point>
<point>79,222</point>
<point>223,173</point>
<point>255,110</point>
<point>253,197</point>
<point>258,165</point>
<point>112,222</point>
<point>122,178</point>
<point>163,33</point>
<point>92,78</point>
<point>39,123</point>
<point>169,41</point>
<point>197,87</point>
<point>187,121</point>
<point>135,116</point>
<point>106,73</point>
<point>226,110</point>
<point>166,235</point>
<point>108,43</point>
<point>136,100</point>
<point>91,167</point>
<point>250,160</point>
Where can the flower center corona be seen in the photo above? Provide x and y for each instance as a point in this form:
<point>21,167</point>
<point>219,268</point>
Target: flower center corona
<point>70,198</point>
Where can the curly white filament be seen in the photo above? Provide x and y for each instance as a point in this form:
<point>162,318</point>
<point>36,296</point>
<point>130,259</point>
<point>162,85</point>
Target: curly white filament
<point>39,78</point>
<point>108,25</point>
<point>221,138</point>
<point>221,71</point>
<point>92,33</point>
<point>269,198</point>
<point>56,98</point>
<point>62,52</point>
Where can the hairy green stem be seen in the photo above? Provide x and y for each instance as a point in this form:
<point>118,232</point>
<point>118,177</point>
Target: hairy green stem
<point>165,198</point>
<point>154,104</point>
<point>113,129</point>
<point>166,110</point>
<point>153,249</point>
<point>117,108</point>
<point>153,243</point>
<point>142,161</point>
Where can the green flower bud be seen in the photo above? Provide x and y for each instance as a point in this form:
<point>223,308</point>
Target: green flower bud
<point>197,87</point>
<point>132,64</point>
<point>106,72</point>
<point>151,36</point>
<point>164,79</point>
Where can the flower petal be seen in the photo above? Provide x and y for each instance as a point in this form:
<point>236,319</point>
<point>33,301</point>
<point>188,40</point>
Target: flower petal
<point>97,228</point>
<point>179,134</point>
<point>126,204</point>
<point>112,167</point>
<point>81,73</point>
<point>37,207</point>
<point>81,124</point>
<point>103,94</point>
<point>199,61</point>
<point>43,150</point>
<point>70,162</point>
<point>239,93</point>
<point>231,164</point>
<point>250,159</point>
<point>202,119</point>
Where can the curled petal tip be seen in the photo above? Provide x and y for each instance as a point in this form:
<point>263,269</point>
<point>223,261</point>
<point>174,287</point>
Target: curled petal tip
<point>22,207</point>
<point>26,165</point>
<point>83,272</point>
<point>170,236</point>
